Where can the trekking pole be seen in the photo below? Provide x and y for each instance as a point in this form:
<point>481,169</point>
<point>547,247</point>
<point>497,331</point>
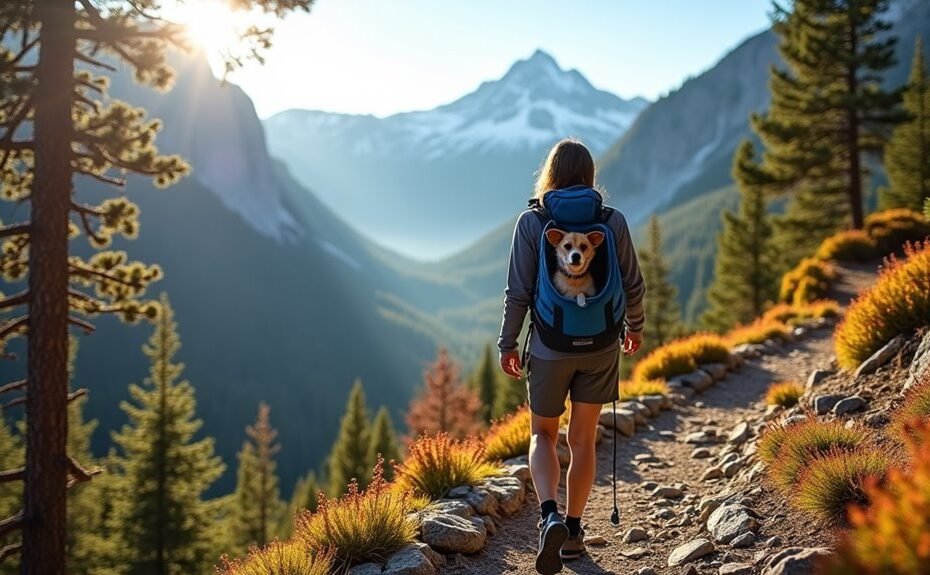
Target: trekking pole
<point>615,516</point>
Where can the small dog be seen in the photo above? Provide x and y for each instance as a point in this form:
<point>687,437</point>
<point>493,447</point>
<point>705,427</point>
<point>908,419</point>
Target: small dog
<point>574,253</point>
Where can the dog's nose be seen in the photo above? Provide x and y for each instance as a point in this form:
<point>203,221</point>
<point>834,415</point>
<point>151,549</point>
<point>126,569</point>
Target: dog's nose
<point>576,258</point>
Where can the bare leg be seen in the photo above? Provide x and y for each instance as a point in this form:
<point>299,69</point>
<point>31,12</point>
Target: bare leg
<point>544,463</point>
<point>581,431</point>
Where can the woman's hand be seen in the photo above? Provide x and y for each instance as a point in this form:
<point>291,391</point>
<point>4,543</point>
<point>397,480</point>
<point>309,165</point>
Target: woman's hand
<point>510,364</point>
<point>632,342</point>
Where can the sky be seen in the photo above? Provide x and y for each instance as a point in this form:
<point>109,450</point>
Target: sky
<point>382,57</point>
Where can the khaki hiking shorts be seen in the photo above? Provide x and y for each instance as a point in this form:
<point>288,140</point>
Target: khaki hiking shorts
<point>587,379</point>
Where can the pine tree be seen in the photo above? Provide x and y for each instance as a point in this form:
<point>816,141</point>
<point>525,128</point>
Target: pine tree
<point>484,382</point>
<point>349,457</point>
<point>165,471</point>
<point>445,405</point>
<point>662,308</point>
<point>305,496</point>
<point>11,493</point>
<point>57,123</point>
<point>907,154</point>
<point>744,274</point>
<point>383,442</point>
<point>828,108</point>
<point>257,503</point>
<point>509,394</point>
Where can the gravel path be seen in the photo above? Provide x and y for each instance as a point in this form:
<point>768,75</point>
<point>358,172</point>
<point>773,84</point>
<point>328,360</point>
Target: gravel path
<point>736,398</point>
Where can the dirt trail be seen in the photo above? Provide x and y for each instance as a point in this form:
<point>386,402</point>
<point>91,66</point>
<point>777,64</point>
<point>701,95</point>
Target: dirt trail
<point>736,398</point>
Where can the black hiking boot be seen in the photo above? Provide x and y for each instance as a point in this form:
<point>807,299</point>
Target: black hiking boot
<point>553,534</point>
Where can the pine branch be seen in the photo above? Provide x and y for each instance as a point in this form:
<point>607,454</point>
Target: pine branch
<point>93,61</point>
<point>22,399</point>
<point>13,386</point>
<point>82,392</point>
<point>12,325</point>
<point>9,551</point>
<point>15,300</point>
<point>15,229</point>
<point>81,270</point>
<point>11,523</point>
<point>87,327</point>
<point>11,475</point>
<point>119,183</point>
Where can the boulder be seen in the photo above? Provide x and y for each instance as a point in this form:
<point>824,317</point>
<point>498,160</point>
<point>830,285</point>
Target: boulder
<point>701,453</point>
<point>729,521</point>
<point>625,419</point>
<point>641,413</point>
<point>453,534</point>
<point>451,507</point>
<point>365,569</point>
<point>698,380</point>
<point>739,434</point>
<point>717,371</point>
<point>483,502</point>
<point>460,492</point>
<point>691,551</point>
<point>920,365</point>
<point>667,492</point>
<point>712,473</point>
<point>509,492</point>
<point>747,539</point>
<point>653,402</point>
<point>521,472</point>
<point>824,403</point>
<point>436,558</point>
<point>881,357</point>
<point>635,534</point>
<point>816,377</point>
<point>409,561</point>
<point>848,405</point>
<point>796,561</point>
<point>731,468</point>
<point>735,569</point>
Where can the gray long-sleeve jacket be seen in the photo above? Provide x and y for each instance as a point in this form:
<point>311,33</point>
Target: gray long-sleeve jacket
<point>522,275</point>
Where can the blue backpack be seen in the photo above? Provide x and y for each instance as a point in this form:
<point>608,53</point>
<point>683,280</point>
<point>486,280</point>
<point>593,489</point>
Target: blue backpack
<point>561,323</point>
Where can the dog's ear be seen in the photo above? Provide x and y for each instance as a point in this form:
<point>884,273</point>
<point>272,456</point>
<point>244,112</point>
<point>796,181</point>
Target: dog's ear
<point>596,238</point>
<point>554,236</point>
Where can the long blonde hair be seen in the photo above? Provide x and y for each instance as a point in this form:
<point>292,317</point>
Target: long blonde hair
<point>569,163</point>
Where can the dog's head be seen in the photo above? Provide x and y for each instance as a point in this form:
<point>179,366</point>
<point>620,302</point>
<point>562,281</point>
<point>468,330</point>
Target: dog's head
<point>573,250</point>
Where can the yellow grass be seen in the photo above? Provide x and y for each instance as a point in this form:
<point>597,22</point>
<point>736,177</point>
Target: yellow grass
<point>785,394</point>
<point>793,314</point>
<point>633,389</point>
<point>361,526</point>
<point>805,442</point>
<point>831,483</point>
<point>681,356</point>
<point>759,331</point>
<point>898,303</point>
<point>848,246</point>
<point>914,410</point>
<point>891,229</point>
<point>291,557</point>
<point>509,437</point>
<point>434,465</point>
<point>810,280</point>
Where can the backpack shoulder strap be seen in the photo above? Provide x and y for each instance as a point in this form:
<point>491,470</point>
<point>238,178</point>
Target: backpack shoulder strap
<point>606,212</point>
<point>540,210</point>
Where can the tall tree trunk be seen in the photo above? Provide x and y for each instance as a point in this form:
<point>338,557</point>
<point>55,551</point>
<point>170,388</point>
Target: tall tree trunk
<point>47,398</point>
<point>855,170</point>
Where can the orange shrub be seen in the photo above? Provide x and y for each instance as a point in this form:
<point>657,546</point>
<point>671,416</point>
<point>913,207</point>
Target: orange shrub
<point>279,558</point>
<point>792,314</point>
<point>509,437</point>
<point>805,442</point>
<point>891,229</point>
<point>892,536</point>
<point>785,394</point>
<point>898,303</point>
<point>759,331</point>
<point>681,356</point>
<point>810,280</point>
<point>436,464</point>
<point>916,408</point>
<point>361,526</point>
<point>832,483</point>
<point>848,246</point>
<point>633,389</point>
<point>771,442</point>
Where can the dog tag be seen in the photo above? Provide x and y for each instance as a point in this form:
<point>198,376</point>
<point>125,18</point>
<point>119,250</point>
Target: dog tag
<point>581,300</point>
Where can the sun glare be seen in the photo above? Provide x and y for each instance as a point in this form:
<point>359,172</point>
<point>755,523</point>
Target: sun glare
<point>212,25</point>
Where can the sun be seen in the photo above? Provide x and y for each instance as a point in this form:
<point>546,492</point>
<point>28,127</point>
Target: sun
<point>212,25</point>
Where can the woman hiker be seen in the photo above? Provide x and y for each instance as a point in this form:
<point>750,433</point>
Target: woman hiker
<point>573,347</point>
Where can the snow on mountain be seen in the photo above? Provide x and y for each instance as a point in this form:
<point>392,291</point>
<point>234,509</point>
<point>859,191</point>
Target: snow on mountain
<point>485,144</point>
